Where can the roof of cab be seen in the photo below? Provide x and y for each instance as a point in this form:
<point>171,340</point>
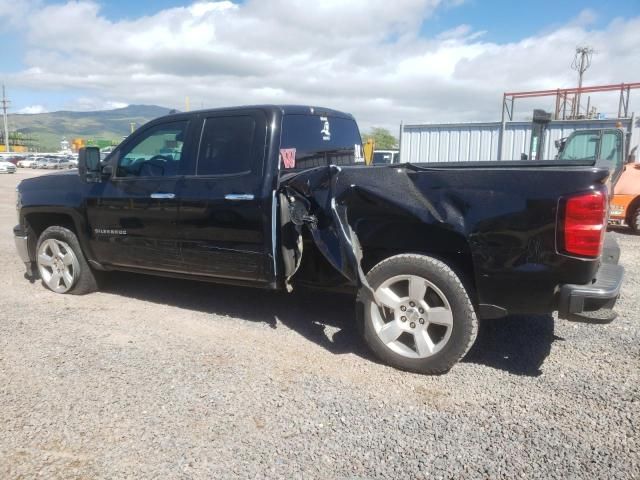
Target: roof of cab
<point>284,109</point>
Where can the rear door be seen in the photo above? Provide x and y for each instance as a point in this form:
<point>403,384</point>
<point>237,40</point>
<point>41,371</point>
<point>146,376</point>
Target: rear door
<point>133,215</point>
<point>224,220</point>
<point>611,153</point>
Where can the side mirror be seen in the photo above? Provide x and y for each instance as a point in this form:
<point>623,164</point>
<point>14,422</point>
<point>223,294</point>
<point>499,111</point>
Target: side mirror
<point>89,167</point>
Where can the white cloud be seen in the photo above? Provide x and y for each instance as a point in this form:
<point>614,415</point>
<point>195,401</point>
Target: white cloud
<point>13,12</point>
<point>91,104</point>
<point>363,56</point>
<point>33,109</point>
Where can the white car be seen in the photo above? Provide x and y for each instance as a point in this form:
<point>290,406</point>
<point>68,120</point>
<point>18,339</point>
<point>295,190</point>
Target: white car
<point>26,163</point>
<point>7,167</point>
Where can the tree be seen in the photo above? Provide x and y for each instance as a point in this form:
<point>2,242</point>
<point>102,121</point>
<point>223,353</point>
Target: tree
<point>382,137</point>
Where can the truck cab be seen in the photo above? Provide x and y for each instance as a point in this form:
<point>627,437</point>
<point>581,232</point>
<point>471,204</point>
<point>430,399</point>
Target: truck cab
<point>610,148</point>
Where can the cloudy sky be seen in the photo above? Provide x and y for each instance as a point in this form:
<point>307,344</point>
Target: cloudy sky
<point>384,61</point>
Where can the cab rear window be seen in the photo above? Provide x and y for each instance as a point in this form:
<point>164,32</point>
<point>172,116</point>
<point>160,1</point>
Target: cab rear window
<point>311,141</point>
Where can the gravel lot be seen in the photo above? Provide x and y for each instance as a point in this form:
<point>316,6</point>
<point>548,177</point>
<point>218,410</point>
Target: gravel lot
<point>158,378</point>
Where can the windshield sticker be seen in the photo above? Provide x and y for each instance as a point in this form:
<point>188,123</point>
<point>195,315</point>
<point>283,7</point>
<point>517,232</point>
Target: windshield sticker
<point>288,157</point>
<point>357,152</point>
<point>326,133</point>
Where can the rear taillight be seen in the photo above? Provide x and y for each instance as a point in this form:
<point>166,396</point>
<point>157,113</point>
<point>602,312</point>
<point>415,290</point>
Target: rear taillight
<point>582,224</point>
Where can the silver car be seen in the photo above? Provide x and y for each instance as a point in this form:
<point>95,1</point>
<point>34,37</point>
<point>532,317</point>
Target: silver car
<point>57,164</point>
<point>7,167</point>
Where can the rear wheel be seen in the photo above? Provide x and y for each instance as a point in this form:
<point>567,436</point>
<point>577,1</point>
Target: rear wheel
<point>423,320</point>
<point>61,263</point>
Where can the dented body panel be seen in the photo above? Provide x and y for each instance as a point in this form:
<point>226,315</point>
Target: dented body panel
<point>496,217</point>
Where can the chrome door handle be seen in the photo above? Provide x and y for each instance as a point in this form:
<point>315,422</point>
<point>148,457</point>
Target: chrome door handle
<point>239,196</point>
<point>163,195</point>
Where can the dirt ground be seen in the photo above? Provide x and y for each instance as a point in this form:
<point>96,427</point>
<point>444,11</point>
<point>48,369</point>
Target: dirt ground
<point>159,378</point>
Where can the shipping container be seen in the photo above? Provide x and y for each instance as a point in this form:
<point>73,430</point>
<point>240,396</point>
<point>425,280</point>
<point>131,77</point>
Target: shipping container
<point>464,142</point>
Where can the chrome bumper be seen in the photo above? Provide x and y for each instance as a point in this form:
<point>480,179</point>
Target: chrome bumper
<point>21,239</point>
<point>22,247</point>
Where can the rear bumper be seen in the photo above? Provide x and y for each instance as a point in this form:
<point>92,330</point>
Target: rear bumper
<point>594,302</point>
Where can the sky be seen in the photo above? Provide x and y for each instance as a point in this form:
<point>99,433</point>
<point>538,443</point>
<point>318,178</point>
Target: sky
<point>416,61</point>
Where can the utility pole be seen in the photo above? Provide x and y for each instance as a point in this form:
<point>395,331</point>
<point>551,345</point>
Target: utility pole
<point>5,106</point>
<point>581,62</point>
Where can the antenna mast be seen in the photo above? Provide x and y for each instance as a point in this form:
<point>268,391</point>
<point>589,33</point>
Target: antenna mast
<point>581,62</point>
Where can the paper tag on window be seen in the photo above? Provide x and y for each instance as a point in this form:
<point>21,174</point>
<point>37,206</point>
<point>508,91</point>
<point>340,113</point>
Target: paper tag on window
<point>288,157</point>
<point>357,153</point>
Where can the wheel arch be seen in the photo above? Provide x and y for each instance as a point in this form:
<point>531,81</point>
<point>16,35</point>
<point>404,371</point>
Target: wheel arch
<point>631,209</point>
<point>383,240</point>
<point>38,220</point>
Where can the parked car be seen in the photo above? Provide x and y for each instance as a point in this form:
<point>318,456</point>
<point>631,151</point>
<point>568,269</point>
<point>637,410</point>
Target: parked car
<point>57,164</point>
<point>39,163</point>
<point>381,157</point>
<point>14,159</point>
<point>7,167</point>
<point>25,162</point>
<point>271,197</point>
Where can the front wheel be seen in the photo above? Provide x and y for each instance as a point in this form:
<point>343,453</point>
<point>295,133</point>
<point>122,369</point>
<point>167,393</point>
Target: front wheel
<point>635,220</point>
<point>61,263</point>
<point>422,320</point>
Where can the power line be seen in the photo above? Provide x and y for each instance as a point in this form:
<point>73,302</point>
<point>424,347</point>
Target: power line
<point>5,106</point>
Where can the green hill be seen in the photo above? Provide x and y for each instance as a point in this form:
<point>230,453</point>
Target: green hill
<point>48,129</point>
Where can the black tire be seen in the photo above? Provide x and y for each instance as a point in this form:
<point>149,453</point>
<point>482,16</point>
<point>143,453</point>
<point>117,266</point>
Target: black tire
<point>635,220</point>
<point>464,324</point>
<point>86,280</point>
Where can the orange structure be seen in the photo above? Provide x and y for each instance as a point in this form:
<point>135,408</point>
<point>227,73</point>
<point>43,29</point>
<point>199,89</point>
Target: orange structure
<point>78,143</point>
<point>625,204</point>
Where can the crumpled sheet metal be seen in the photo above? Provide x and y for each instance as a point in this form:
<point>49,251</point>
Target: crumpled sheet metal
<point>333,192</point>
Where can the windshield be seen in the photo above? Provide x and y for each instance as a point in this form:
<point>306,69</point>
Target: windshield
<point>581,146</point>
<point>604,147</point>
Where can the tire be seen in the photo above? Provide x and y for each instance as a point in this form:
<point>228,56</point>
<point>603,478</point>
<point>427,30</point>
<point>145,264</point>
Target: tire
<point>59,256</point>
<point>431,324</point>
<point>635,220</point>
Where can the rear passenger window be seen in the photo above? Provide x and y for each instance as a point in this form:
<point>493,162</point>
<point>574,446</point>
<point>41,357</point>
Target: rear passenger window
<point>227,145</point>
<point>320,141</point>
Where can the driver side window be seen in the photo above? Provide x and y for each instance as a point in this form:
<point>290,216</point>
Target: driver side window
<point>156,153</point>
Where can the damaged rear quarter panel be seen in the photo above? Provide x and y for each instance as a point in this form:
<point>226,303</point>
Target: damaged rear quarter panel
<point>500,220</point>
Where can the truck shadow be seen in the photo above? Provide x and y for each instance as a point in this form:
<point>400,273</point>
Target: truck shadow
<point>624,231</point>
<point>518,345</point>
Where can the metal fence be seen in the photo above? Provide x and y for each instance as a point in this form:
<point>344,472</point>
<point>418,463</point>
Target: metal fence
<point>463,142</point>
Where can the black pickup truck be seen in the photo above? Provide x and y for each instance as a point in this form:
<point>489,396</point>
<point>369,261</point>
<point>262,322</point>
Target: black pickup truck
<point>279,196</point>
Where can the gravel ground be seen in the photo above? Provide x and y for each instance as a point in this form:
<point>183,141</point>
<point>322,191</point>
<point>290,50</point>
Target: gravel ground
<point>157,378</point>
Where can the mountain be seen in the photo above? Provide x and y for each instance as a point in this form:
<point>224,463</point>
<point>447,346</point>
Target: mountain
<point>48,129</point>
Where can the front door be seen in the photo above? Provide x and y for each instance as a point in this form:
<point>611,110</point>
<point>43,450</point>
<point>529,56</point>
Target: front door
<point>133,215</point>
<point>225,217</point>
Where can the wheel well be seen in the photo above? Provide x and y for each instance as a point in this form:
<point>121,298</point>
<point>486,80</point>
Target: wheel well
<point>443,245</point>
<point>39,222</point>
<point>633,206</point>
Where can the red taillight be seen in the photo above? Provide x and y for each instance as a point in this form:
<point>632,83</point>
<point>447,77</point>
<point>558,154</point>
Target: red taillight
<point>583,224</point>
